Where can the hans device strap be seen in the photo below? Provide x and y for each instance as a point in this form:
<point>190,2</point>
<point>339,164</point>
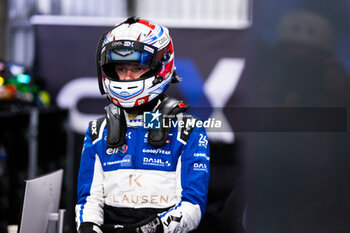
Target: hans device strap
<point>116,124</point>
<point>169,108</point>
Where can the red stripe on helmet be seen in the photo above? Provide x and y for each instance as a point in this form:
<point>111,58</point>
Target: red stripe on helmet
<point>138,38</point>
<point>147,23</point>
<point>167,68</point>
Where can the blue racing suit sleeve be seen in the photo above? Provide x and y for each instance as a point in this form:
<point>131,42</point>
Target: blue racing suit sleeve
<point>194,171</point>
<point>90,202</point>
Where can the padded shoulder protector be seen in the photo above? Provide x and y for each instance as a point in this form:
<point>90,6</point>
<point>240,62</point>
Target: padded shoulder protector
<point>169,108</point>
<point>116,126</point>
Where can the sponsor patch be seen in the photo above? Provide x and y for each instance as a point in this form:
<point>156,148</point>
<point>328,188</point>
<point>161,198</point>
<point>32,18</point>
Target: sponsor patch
<point>94,127</point>
<point>156,162</point>
<point>111,151</point>
<point>204,155</point>
<point>200,167</point>
<point>148,49</point>
<point>124,162</point>
<point>156,151</point>
<point>203,141</point>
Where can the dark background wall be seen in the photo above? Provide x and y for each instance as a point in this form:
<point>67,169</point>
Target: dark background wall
<point>3,16</point>
<point>297,180</point>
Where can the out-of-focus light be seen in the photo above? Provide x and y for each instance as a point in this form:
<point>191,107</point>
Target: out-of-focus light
<point>45,98</point>
<point>12,88</point>
<point>23,78</point>
<point>2,66</point>
<point>2,81</point>
<point>16,69</point>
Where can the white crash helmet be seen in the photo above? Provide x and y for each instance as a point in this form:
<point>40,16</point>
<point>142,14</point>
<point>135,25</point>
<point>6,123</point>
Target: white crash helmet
<point>136,41</point>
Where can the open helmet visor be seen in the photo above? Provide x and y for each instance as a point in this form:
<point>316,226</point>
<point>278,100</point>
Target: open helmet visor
<point>124,51</point>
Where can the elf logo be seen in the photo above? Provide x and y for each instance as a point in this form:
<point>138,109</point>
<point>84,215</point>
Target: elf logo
<point>111,151</point>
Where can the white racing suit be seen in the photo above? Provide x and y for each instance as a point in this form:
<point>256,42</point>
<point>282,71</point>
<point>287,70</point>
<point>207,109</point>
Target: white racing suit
<point>126,185</point>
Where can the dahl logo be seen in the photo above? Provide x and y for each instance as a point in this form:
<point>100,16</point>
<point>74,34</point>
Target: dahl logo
<point>155,162</point>
<point>200,167</point>
<point>152,120</point>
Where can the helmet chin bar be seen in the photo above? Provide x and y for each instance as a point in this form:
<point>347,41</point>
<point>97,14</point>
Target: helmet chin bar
<point>135,93</point>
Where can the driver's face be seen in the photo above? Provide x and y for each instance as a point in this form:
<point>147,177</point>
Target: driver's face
<point>130,71</point>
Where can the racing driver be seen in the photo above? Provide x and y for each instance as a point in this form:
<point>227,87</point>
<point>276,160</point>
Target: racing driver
<point>136,174</point>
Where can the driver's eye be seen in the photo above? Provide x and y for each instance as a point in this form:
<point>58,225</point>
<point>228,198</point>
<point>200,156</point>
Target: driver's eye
<point>120,69</point>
